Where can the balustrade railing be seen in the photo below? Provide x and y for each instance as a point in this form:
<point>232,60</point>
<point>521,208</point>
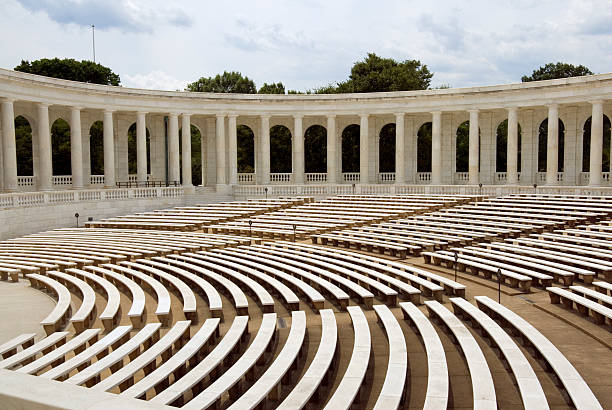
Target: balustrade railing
<point>462,177</point>
<point>280,177</point>
<point>246,178</point>
<point>60,180</point>
<point>25,181</point>
<point>351,176</point>
<point>423,177</point>
<point>560,177</point>
<point>96,180</point>
<point>605,177</point>
<point>134,178</point>
<point>541,177</point>
<point>386,177</point>
<point>501,177</point>
<point>315,176</point>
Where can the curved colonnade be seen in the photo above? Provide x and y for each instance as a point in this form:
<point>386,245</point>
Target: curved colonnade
<point>198,320</point>
<point>574,103</point>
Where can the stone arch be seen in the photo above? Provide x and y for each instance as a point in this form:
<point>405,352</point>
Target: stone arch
<point>196,154</point>
<point>501,147</point>
<point>96,148</point>
<point>23,145</point>
<point>133,152</point>
<point>462,147</point>
<point>543,145</point>
<point>586,145</point>
<point>315,149</point>
<point>245,149</point>
<point>60,147</point>
<point>350,148</point>
<point>386,148</point>
<point>424,148</point>
<point>280,149</point>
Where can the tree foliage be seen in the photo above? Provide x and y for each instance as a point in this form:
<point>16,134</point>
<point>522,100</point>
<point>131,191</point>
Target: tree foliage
<point>228,82</point>
<point>280,149</point>
<point>274,88</point>
<point>551,71</point>
<point>315,149</point>
<point>350,148</point>
<point>70,69</point>
<point>424,148</point>
<point>246,149</point>
<point>23,145</point>
<point>60,146</point>
<point>386,149</point>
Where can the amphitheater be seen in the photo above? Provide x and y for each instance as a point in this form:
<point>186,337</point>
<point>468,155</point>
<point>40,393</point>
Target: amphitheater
<point>417,288</point>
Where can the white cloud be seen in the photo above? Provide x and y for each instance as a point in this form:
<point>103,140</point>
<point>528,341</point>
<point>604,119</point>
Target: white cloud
<point>155,80</point>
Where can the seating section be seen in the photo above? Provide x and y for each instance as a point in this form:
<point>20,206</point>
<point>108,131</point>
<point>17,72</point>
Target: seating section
<point>195,307</point>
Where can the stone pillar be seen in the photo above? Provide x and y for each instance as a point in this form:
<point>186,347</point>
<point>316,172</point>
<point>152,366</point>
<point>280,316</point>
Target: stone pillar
<point>233,150</point>
<point>186,143</point>
<point>474,149</point>
<point>141,148</point>
<point>9,150</point>
<point>512,147</point>
<point>45,173</point>
<point>174,173</point>
<point>220,148</point>
<point>436,148</point>
<point>332,167</point>
<point>595,166</point>
<point>265,149</point>
<point>400,161</point>
<point>364,152</point>
<point>298,150</point>
<point>109,150</point>
<point>552,146</point>
<point>76,148</point>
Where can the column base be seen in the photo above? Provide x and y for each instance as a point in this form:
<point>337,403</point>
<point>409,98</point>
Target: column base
<point>223,189</point>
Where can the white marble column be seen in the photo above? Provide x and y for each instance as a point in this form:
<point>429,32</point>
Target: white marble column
<point>233,149</point>
<point>400,161</point>
<point>364,152</point>
<point>220,148</point>
<point>9,150</point>
<point>332,167</point>
<point>436,148</point>
<point>186,143</point>
<point>298,150</point>
<point>552,145</point>
<point>595,166</point>
<point>45,173</point>
<point>474,149</point>
<point>512,147</point>
<point>76,148</point>
<point>109,150</point>
<point>141,147</point>
<point>174,168</point>
<point>265,149</point>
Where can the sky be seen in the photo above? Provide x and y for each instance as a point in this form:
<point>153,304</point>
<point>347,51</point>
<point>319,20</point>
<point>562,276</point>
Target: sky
<point>306,44</point>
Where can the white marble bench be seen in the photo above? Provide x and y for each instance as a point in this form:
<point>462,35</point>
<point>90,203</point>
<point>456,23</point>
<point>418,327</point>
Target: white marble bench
<point>593,295</point>
<point>599,312</point>
<point>58,317</point>
<point>85,315</point>
<point>9,348</point>
<point>28,355</point>
<point>603,287</point>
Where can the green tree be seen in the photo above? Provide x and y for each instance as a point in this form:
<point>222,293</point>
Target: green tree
<point>60,144</point>
<point>228,82</point>
<point>245,149</point>
<point>375,74</point>
<point>23,145</point>
<point>70,69</point>
<point>551,71</point>
<point>274,88</point>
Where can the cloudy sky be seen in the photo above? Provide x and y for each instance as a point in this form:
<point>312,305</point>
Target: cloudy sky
<point>309,43</point>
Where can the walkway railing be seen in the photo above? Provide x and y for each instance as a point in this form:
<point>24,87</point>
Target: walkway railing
<point>386,177</point>
<point>423,177</point>
<point>246,178</point>
<point>96,180</point>
<point>351,176</point>
<point>315,177</point>
<point>280,177</point>
<point>502,177</point>
<point>462,177</point>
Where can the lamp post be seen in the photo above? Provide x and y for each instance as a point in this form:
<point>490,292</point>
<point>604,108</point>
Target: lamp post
<point>535,189</point>
<point>76,215</point>
<point>294,228</point>
<point>353,189</point>
<point>456,259</point>
<point>250,229</point>
<point>266,191</point>
<point>480,189</point>
<point>499,275</point>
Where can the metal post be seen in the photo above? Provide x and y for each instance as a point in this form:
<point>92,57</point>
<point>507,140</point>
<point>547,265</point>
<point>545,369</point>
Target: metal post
<point>499,275</point>
<point>456,259</point>
<point>250,229</point>
<point>535,189</point>
<point>76,215</point>
<point>294,228</point>
<point>353,189</point>
<point>480,189</point>
<point>266,191</point>
<point>93,40</point>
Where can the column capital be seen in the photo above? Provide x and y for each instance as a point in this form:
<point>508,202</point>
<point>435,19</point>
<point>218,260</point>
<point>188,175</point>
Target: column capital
<point>597,102</point>
<point>43,105</point>
<point>173,114</point>
<point>7,100</point>
<point>363,115</point>
<point>232,116</point>
<point>298,116</point>
<point>220,116</point>
<point>400,114</point>
<point>512,108</point>
<point>473,111</point>
<point>436,112</point>
<point>76,108</point>
<point>266,116</point>
<point>552,106</point>
<point>142,112</point>
<point>330,116</point>
<point>108,111</point>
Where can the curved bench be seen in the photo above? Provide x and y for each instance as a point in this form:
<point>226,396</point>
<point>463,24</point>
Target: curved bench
<point>190,382</point>
<point>9,348</point>
<point>318,372</point>
<point>58,317</point>
<point>178,335</point>
<point>526,379</point>
<point>584,305</point>
<point>26,356</point>
<point>159,378</point>
<point>42,267</point>
<point>268,385</point>
<point>349,388</point>
<point>392,392</point>
<point>83,318</point>
<point>436,396</point>
<point>483,390</point>
<point>230,379</point>
<point>578,391</point>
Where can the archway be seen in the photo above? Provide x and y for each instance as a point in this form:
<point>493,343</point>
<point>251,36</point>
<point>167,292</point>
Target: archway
<point>424,148</point>
<point>23,145</point>
<point>196,155</point>
<point>96,148</point>
<point>133,150</point>
<point>386,148</point>
<point>315,149</point>
<point>462,152</point>
<point>60,147</point>
<point>350,148</point>
<point>280,149</point>
<point>543,146</point>
<point>501,148</point>
<point>586,145</point>
<point>245,149</point>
